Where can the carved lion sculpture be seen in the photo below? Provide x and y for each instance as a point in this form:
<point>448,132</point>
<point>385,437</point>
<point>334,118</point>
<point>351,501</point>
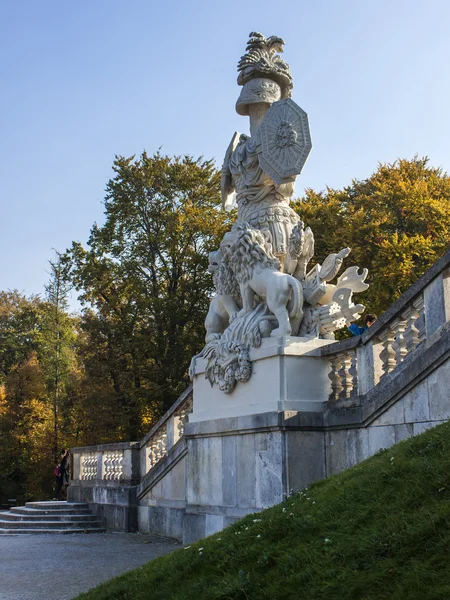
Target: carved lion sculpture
<point>226,303</point>
<point>249,254</point>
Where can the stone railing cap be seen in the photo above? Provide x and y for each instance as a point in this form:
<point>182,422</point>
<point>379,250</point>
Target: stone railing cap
<point>166,416</point>
<point>106,447</point>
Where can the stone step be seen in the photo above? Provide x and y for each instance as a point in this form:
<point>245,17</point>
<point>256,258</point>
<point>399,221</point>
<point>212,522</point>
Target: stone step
<point>56,505</point>
<point>50,517</point>
<point>10,516</point>
<point>54,531</point>
<point>22,510</point>
<point>4,524</point>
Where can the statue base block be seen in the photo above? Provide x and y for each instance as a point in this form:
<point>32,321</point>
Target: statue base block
<point>288,374</point>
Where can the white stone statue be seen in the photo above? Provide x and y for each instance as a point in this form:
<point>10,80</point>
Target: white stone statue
<point>263,287</point>
<point>257,271</point>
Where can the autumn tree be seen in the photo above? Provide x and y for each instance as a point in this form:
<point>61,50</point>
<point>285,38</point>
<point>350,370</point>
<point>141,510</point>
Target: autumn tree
<point>25,413</point>
<point>144,282</point>
<point>396,222</point>
<point>26,458</point>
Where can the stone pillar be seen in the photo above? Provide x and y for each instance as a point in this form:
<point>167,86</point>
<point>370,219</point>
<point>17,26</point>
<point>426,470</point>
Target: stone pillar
<point>435,305</point>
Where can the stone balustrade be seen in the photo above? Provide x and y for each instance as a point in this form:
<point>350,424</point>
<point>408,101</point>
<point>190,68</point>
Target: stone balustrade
<point>119,463</point>
<point>88,466</point>
<point>105,463</point>
<point>358,364</point>
<point>166,433</point>
<point>113,466</point>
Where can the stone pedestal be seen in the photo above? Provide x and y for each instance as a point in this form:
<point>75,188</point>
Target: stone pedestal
<point>241,465</point>
<point>248,449</point>
<point>287,374</point>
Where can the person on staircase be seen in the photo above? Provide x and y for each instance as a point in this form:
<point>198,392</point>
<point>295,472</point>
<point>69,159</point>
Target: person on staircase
<point>62,473</point>
<point>369,320</point>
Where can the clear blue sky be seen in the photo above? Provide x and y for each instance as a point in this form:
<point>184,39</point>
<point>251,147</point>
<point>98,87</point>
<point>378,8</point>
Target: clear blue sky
<point>83,81</point>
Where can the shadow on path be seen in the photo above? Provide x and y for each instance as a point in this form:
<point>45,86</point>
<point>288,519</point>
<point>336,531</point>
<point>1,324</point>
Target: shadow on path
<point>59,567</point>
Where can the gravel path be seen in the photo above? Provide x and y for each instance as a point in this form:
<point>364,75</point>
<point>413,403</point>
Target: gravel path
<point>59,567</point>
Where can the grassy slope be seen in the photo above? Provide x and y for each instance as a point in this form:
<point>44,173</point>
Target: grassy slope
<point>378,531</point>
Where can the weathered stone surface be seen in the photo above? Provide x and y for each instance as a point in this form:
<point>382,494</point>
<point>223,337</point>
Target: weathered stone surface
<point>416,404</point>
<point>439,393</point>
<point>194,527</point>
<point>357,446</point>
<point>143,520</point>
<point>336,457</point>
<point>305,458</point>
<point>213,523</point>
<point>380,438</point>
<point>229,470</point>
<point>434,305</point>
<point>403,432</point>
<point>246,471</point>
<point>172,485</point>
<point>446,290</point>
<point>204,464</point>
<point>393,415</point>
<point>269,469</point>
<point>421,427</point>
<point>165,521</point>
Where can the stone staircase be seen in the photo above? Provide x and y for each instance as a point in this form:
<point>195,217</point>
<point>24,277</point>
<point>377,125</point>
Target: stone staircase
<point>50,517</point>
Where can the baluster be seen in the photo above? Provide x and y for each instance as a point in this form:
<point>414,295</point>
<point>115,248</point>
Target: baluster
<point>114,466</point>
<point>109,466</point>
<point>183,418</point>
<point>106,466</point>
<point>411,335</point>
<point>87,467</point>
<point>387,338</point>
<point>398,328</point>
<point>120,466</point>
<point>336,385</point>
<point>156,450</point>
<point>151,455</point>
<point>347,374</point>
<point>93,462</point>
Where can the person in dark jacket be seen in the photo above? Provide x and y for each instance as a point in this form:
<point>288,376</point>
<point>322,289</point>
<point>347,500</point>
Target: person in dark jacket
<point>62,473</point>
<point>369,320</point>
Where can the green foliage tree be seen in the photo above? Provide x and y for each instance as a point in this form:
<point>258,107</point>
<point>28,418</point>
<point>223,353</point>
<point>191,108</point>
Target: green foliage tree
<point>56,349</point>
<point>396,222</point>
<point>144,282</point>
<point>20,320</point>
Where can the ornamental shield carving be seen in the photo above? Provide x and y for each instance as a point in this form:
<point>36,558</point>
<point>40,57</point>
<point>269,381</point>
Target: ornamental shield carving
<point>285,141</point>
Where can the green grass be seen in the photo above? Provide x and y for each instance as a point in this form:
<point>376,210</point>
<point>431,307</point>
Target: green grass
<point>378,531</point>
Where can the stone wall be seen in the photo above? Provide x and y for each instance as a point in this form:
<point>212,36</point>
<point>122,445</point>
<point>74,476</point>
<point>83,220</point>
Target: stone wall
<point>137,486</point>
